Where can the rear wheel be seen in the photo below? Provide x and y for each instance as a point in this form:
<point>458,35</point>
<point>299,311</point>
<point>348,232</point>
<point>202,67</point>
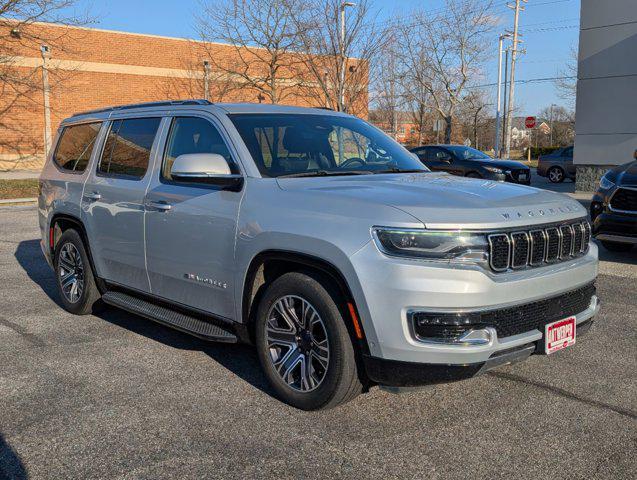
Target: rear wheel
<point>304,346</point>
<point>617,247</point>
<point>556,175</point>
<point>74,275</point>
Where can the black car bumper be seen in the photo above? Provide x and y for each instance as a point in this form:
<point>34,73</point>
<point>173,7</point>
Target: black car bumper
<point>609,225</point>
<point>391,373</point>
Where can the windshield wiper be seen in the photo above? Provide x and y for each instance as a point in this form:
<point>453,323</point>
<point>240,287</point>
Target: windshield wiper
<point>400,170</point>
<point>324,173</point>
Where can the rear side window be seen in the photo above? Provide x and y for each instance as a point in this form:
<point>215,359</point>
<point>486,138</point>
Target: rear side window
<point>127,147</point>
<point>74,148</point>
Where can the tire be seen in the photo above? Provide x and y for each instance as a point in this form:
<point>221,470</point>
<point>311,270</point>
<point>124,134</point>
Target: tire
<point>473,175</point>
<point>555,175</point>
<point>71,262</point>
<point>328,383</point>
<point>616,246</point>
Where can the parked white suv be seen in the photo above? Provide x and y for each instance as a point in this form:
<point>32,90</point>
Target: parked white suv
<point>316,237</point>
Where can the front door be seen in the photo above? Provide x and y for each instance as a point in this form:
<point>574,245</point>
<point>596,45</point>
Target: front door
<point>190,228</point>
<point>113,201</point>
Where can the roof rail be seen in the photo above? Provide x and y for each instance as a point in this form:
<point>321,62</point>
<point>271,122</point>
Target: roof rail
<point>166,103</point>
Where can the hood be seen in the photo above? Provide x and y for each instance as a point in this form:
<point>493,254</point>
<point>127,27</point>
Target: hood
<point>505,164</point>
<point>439,200</point>
<point>628,174</point>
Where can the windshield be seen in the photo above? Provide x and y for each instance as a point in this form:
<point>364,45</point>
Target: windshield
<point>468,153</point>
<point>308,145</point>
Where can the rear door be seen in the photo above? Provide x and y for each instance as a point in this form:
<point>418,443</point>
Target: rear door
<point>191,228</point>
<point>113,201</point>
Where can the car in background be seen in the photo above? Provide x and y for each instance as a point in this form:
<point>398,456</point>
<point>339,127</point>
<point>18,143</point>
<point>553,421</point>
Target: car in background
<point>469,162</point>
<point>557,165</point>
<point>614,208</point>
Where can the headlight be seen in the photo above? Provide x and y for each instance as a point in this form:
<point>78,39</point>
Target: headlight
<point>494,169</point>
<point>605,183</point>
<point>456,246</point>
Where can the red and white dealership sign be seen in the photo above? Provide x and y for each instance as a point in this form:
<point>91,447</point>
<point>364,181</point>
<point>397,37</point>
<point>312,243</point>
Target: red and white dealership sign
<point>559,335</point>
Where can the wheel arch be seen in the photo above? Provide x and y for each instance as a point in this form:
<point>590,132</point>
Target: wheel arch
<point>268,265</point>
<point>59,223</point>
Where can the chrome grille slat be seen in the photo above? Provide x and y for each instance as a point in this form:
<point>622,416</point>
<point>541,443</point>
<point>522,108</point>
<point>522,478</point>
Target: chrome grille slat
<point>540,246</point>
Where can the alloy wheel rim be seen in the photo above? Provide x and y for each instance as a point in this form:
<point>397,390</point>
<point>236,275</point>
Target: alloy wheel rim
<point>71,272</point>
<point>556,175</point>
<point>297,341</point>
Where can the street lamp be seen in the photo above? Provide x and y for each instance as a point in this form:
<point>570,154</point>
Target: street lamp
<point>341,92</point>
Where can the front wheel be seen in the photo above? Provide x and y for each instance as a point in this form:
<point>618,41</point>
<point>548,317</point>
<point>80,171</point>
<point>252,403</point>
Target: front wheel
<point>304,346</point>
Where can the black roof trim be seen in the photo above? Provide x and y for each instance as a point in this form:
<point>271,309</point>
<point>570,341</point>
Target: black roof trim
<point>166,103</point>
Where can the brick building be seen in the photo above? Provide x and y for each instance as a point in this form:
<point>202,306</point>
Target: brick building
<point>86,68</point>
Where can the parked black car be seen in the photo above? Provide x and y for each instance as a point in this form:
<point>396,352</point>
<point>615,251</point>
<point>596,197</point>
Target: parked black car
<point>614,208</point>
<point>469,162</point>
<point>557,165</point>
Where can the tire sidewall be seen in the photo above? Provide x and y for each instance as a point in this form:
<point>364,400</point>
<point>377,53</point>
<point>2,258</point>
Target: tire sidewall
<point>339,341</point>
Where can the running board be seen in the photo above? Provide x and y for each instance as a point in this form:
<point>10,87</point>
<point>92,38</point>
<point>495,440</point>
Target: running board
<point>170,318</point>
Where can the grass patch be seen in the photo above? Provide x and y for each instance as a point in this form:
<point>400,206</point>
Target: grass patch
<point>26,188</point>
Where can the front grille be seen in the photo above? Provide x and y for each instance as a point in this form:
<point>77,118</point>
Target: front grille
<point>539,246</point>
<point>624,199</point>
<point>535,315</point>
<point>449,326</point>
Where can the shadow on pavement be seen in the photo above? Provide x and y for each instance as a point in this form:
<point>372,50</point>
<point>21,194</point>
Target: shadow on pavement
<point>11,466</point>
<point>628,258</point>
<point>239,359</point>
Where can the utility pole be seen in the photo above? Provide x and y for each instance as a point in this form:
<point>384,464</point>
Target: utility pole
<point>506,95</point>
<point>341,92</point>
<point>498,112</point>
<point>514,53</point>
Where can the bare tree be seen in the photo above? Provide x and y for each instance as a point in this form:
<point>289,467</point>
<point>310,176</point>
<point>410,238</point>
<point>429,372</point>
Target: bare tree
<point>561,122</point>
<point>473,111</point>
<point>21,83</point>
<point>566,83</point>
<point>337,59</point>
<point>263,44</point>
<point>446,52</point>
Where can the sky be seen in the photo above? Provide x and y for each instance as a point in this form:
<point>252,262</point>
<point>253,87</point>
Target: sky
<point>550,30</point>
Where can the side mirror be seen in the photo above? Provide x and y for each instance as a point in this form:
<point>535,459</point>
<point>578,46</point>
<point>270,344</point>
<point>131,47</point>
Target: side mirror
<point>208,168</point>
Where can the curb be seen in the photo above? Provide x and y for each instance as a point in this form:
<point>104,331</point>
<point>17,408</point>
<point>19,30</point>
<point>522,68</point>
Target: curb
<point>10,201</point>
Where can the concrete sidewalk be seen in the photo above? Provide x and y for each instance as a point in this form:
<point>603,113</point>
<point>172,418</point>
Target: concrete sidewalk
<point>19,174</point>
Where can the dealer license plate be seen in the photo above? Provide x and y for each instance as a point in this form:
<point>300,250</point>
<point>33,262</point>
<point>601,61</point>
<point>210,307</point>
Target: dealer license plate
<point>559,335</point>
<point>522,176</point>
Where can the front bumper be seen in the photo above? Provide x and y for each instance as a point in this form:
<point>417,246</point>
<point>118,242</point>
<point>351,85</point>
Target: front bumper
<point>396,287</point>
<point>392,373</point>
<point>615,227</point>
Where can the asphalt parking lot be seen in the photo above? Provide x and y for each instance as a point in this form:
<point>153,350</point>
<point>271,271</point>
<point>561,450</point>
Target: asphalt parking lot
<point>116,396</point>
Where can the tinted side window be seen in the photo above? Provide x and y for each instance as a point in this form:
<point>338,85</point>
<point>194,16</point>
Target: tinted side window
<point>567,152</point>
<point>74,148</point>
<point>193,135</point>
<point>127,148</point>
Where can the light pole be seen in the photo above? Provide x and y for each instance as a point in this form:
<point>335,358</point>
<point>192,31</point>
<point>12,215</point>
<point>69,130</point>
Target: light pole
<point>498,112</point>
<point>551,122</point>
<point>341,93</point>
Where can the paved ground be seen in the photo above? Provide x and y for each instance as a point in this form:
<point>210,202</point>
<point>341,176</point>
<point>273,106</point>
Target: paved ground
<point>116,396</point>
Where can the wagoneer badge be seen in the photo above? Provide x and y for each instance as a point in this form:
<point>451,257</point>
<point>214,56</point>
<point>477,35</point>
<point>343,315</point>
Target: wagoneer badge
<point>539,212</point>
<point>213,283</point>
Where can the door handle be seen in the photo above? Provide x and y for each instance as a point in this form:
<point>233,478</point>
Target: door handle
<point>94,196</point>
<point>160,206</point>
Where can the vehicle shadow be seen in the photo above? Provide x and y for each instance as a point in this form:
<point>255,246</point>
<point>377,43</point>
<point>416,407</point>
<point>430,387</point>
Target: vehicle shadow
<point>11,466</point>
<point>239,359</point>
<point>627,258</point>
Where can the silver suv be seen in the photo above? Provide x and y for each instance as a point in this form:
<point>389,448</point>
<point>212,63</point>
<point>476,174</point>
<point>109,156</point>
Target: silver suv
<point>315,237</point>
